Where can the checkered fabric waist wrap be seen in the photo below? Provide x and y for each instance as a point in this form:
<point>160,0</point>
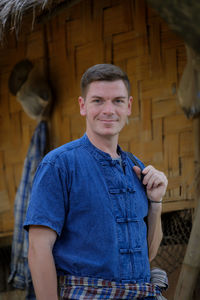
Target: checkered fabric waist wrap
<point>85,288</point>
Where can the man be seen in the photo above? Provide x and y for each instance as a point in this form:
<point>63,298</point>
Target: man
<point>86,215</point>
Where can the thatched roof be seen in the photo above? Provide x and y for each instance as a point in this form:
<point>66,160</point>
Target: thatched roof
<point>182,16</point>
<point>11,12</point>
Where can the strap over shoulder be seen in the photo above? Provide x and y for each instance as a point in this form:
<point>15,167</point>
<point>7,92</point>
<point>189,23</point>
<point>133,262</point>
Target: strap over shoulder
<point>136,163</point>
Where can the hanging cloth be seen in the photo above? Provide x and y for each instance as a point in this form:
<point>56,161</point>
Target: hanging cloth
<point>20,276</point>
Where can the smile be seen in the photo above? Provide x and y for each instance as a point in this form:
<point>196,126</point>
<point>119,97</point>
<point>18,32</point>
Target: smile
<point>108,121</point>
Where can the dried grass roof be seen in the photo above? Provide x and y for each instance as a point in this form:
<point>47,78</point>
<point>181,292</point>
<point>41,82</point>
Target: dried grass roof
<point>11,12</point>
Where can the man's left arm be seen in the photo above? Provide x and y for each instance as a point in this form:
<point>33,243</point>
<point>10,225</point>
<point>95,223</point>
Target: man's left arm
<point>156,185</point>
<point>154,229</point>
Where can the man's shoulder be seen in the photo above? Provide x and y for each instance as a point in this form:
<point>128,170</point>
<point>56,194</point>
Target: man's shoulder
<point>63,152</point>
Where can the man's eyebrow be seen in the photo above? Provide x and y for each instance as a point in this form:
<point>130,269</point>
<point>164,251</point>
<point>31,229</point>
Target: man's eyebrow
<point>99,97</point>
<point>121,97</point>
<point>118,97</point>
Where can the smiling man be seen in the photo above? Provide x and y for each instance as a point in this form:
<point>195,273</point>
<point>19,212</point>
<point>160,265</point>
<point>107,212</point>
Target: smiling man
<point>86,217</point>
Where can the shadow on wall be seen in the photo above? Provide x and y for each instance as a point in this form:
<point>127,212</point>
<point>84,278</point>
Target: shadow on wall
<point>7,292</point>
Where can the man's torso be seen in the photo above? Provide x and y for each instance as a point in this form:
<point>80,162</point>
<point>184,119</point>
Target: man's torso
<point>99,215</point>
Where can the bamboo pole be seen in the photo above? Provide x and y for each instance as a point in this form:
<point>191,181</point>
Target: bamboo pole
<point>191,264</point>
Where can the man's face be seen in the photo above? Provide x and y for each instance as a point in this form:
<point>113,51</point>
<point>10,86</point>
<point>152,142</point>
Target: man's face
<point>106,107</point>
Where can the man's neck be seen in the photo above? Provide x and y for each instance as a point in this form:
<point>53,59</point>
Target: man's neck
<point>105,144</point>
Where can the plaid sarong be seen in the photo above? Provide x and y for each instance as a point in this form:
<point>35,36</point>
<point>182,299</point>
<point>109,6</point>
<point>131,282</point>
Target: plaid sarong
<point>86,288</point>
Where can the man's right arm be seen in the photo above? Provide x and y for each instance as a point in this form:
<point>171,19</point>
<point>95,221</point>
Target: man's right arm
<point>41,262</point>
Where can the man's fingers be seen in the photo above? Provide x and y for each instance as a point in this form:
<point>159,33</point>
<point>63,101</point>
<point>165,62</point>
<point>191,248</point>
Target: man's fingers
<point>154,178</point>
<point>154,182</point>
<point>151,177</point>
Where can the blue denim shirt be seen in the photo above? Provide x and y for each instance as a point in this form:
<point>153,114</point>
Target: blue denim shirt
<point>97,207</point>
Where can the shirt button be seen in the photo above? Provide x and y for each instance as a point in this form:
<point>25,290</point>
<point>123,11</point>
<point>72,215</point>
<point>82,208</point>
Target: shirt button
<point>126,251</point>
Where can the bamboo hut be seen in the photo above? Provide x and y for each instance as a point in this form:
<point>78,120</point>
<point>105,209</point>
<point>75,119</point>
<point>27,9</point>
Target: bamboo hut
<point>147,39</point>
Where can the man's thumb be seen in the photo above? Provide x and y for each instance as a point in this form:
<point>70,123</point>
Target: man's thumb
<point>137,171</point>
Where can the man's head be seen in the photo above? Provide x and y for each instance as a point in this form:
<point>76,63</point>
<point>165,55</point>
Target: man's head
<point>105,101</point>
<point>103,72</point>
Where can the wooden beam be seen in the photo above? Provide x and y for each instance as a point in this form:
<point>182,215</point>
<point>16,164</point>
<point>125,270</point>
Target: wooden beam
<point>177,204</point>
<point>196,130</point>
<point>183,17</point>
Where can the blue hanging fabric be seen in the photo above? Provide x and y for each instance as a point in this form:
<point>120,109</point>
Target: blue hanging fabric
<point>20,276</point>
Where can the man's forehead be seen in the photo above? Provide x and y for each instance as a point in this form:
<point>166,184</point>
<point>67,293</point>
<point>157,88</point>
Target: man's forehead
<point>103,86</point>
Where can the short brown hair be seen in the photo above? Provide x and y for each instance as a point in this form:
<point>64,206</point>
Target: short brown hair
<point>103,72</point>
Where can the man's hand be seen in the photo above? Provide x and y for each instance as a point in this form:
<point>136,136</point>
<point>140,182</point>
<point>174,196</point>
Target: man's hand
<point>155,182</point>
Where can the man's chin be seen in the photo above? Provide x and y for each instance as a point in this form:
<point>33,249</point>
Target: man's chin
<point>109,133</point>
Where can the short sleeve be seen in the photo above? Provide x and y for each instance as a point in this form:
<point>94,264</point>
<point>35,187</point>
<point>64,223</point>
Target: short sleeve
<point>49,198</point>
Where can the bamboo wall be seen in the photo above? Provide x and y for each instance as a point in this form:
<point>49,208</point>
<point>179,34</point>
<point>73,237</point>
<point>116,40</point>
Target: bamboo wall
<point>126,33</point>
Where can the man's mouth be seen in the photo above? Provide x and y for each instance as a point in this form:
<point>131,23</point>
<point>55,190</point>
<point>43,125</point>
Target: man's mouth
<point>108,120</point>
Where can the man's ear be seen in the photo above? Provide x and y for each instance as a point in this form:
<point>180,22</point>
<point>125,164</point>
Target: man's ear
<point>82,106</point>
<point>130,101</point>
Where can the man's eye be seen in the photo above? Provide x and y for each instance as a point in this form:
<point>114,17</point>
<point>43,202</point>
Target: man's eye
<point>119,101</point>
<point>97,101</point>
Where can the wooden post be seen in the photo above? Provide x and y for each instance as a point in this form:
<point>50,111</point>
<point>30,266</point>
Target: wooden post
<point>191,264</point>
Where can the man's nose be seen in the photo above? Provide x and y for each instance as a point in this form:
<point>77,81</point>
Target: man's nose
<point>108,108</point>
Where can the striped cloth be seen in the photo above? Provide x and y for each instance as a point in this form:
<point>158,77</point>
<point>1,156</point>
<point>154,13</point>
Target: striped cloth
<point>86,288</point>
<point>20,275</point>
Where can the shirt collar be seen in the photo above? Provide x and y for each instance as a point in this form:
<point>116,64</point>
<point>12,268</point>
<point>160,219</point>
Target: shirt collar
<point>99,154</point>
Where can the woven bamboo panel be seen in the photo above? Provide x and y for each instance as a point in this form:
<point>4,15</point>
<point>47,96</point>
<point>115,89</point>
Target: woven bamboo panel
<point>123,32</point>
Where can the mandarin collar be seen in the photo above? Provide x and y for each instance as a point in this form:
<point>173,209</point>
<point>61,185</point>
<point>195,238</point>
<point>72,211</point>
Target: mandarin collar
<point>99,154</point>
